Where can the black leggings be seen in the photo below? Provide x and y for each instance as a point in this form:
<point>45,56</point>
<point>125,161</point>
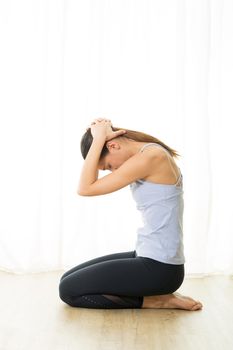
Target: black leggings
<point>118,281</point>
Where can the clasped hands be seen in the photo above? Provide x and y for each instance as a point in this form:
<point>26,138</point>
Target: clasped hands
<point>102,128</point>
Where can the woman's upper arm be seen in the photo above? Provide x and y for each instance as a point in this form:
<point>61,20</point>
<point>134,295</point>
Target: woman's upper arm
<point>136,167</point>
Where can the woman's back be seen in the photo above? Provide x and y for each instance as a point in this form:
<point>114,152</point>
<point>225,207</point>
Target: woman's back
<point>161,206</point>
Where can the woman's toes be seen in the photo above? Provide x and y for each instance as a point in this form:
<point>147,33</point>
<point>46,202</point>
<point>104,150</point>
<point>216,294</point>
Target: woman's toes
<point>197,306</point>
<point>199,303</point>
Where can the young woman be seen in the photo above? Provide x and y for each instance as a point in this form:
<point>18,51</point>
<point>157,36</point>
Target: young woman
<point>148,276</point>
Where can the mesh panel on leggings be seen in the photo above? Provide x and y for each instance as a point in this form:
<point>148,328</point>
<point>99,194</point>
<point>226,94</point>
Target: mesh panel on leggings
<point>106,301</point>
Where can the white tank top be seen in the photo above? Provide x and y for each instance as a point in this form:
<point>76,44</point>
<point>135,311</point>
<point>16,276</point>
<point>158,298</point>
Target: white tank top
<point>161,206</point>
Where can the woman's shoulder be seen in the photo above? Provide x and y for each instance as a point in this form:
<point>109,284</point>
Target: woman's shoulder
<point>163,168</point>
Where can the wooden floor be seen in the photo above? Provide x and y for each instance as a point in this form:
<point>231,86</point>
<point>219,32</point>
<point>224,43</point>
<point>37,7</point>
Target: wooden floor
<point>32,317</point>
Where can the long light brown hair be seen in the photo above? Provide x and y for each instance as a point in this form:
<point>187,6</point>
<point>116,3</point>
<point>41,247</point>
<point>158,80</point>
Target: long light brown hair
<point>139,136</point>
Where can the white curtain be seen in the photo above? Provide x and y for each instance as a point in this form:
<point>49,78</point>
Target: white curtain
<point>160,66</point>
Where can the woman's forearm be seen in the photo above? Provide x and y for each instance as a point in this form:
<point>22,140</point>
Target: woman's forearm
<point>89,172</point>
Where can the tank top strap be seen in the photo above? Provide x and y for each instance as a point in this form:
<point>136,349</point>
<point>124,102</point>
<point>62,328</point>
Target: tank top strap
<point>154,144</point>
<point>179,180</point>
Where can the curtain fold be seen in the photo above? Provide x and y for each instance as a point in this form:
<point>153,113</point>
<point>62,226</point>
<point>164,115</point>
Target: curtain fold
<point>162,67</point>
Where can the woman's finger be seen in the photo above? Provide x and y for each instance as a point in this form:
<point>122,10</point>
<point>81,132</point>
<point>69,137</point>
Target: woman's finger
<point>120,132</point>
<point>100,119</point>
<point>115,134</point>
<point>95,121</point>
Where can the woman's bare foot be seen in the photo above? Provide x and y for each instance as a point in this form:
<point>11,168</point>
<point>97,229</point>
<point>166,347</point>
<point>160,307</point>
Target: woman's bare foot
<point>171,301</point>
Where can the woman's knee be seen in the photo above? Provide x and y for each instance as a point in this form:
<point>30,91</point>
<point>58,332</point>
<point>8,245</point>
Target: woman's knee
<point>64,275</point>
<point>62,291</point>
<point>65,292</point>
<point>69,298</point>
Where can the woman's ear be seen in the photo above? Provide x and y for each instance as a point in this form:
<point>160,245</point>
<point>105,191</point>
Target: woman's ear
<point>112,145</point>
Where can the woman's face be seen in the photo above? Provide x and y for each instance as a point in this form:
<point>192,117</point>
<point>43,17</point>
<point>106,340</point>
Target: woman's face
<point>115,158</point>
